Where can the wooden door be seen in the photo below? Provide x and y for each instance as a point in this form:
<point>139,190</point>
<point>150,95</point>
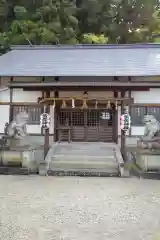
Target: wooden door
<point>87,125</point>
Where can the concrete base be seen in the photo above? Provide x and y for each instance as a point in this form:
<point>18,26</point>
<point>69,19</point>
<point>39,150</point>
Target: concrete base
<point>23,158</point>
<point>148,162</point>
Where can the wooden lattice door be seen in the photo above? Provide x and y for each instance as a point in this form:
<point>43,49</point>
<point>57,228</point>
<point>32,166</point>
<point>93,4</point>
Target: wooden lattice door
<point>86,125</point>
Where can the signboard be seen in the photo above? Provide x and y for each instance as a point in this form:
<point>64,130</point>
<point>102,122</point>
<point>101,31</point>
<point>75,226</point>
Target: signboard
<point>45,120</point>
<point>105,116</point>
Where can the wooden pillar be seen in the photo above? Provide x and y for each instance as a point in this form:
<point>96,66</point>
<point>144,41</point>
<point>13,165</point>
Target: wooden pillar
<point>123,137</point>
<point>11,101</point>
<point>129,106</point>
<point>115,124</point>
<point>46,134</point>
<point>56,117</point>
<point>129,109</point>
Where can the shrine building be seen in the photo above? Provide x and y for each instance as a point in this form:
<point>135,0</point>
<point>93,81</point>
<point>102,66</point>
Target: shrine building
<point>84,88</point>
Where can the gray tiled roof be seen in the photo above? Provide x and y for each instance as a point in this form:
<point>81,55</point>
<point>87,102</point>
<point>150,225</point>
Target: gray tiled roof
<point>107,60</point>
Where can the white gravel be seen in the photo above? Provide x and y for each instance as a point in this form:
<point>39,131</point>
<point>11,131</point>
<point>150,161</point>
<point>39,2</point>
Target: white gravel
<point>74,208</point>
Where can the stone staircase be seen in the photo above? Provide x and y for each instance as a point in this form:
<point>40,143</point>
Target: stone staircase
<point>83,158</point>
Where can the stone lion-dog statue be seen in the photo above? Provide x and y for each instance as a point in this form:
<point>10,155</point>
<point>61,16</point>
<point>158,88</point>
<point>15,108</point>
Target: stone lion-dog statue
<point>151,138</point>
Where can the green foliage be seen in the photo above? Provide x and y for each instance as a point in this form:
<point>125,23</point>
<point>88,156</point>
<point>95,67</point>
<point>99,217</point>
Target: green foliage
<point>20,12</point>
<point>78,21</point>
<point>94,39</point>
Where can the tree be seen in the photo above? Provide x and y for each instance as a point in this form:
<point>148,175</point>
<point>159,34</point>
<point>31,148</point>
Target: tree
<point>154,27</point>
<point>131,19</point>
<point>122,21</point>
<point>94,39</point>
<point>94,16</point>
<point>78,21</point>
<point>51,23</point>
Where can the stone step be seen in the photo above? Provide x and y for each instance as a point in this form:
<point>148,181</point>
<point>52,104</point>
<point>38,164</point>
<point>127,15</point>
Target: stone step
<point>96,154</point>
<point>84,172</point>
<point>13,170</point>
<point>83,164</point>
<point>92,149</point>
<point>83,157</point>
<point>90,158</point>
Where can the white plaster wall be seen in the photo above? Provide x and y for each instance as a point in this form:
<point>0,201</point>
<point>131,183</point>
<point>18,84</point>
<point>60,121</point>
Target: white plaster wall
<point>4,112</point>
<point>4,95</point>
<point>136,131</point>
<point>33,129</point>
<point>25,96</point>
<point>152,96</point>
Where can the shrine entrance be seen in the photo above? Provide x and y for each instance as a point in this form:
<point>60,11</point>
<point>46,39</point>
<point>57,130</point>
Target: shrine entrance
<point>85,119</point>
<point>86,125</point>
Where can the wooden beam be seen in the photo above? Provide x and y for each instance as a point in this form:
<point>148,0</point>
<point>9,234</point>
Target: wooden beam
<point>24,103</point>
<point>81,88</point>
<point>93,100</point>
<point>5,103</point>
<point>146,105</point>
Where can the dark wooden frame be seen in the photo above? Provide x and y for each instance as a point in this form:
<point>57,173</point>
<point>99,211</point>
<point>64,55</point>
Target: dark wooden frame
<point>86,126</point>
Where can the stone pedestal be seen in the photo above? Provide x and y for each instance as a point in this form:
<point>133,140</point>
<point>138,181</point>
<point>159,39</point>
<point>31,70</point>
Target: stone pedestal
<point>9,157</point>
<point>25,158</point>
<point>21,153</point>
<point>148,162</point>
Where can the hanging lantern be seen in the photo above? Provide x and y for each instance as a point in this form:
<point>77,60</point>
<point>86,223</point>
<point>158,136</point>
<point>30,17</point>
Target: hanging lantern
<point>96,104</point>
<point>64,104</point>
<point>84,104</point>
<point>108,104</point>
<point>73,103</point>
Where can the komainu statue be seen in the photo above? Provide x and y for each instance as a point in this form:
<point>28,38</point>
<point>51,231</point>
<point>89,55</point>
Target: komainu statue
<point>16,130</point>
<point>151,138</point>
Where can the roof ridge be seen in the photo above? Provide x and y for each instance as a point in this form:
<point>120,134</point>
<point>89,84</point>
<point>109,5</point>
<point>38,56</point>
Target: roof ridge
<point>85,46</point>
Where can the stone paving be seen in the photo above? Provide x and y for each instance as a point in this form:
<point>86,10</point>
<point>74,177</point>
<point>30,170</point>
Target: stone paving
<point>74,208</point>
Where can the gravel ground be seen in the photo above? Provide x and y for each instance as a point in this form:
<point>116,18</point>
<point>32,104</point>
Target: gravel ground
<point>74,208</point>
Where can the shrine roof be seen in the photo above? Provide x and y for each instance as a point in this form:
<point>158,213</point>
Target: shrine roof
<point>82,60</point>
